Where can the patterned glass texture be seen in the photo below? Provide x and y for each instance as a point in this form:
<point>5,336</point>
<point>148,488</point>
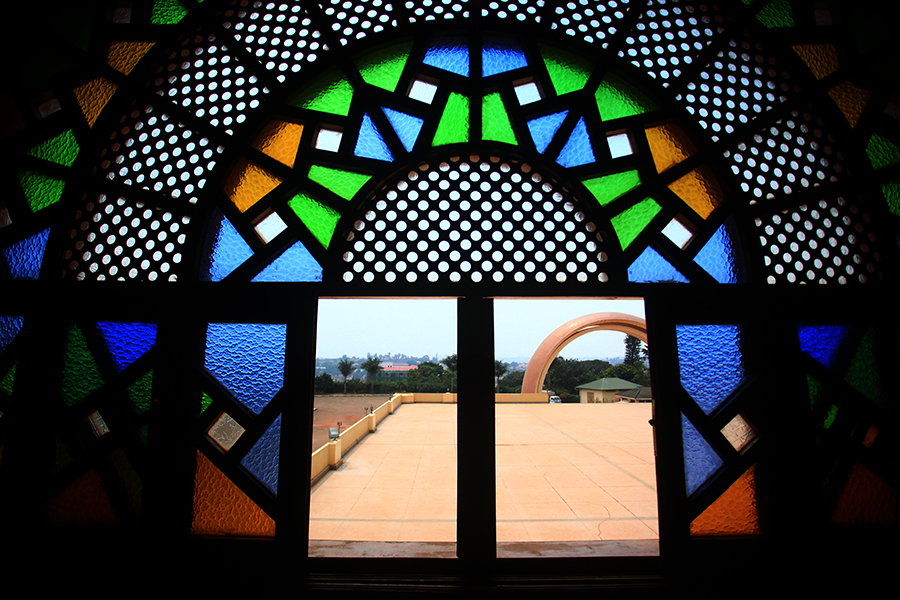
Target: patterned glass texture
<point>544,128</point>
<point>294,264</point>
<point>882,152</point>
<point>617,99</point>
<point>248,183</point>
<point>495,123</point>
<point>578,149</point>
<point>449,54</point>
<point>700,190</point>
<point>700,460</point>
<point>370,143</point>
<point>23,259</point>
<point>868,369</point>
<point>343,183</point>
<point>733,513</point>
<point>262,459</point>
<point>330,93</point>
<point>80,375</point>
<point>739,433</point>
<point>93,96</point>
<point>127,342</point>
<point>866,499</point>
<point>9,328</point>
<point>822,342</point>
<point>225,431</point>
<point>718,257</point>
<point>501,55</point>
<point>318,218</point>
<point>710,362</point>
<point>454,124</point>
<point>61,149</point>
<point>610,187</point>
<point>40,190</point>
<point>221,508</point>
<point>669,145</point>
<point>384,68</point>
<point>406,126</point>
<point>651,267</point>
<point>568,72</point>
<point>280,140</point>
<point>225,249</point>
<point>631,222</point>
<point>248,358</point>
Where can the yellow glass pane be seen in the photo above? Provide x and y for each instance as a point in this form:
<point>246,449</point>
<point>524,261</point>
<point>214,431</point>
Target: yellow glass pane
<point>851,99</point>
<point>733,513</point>
<point>123,56</point>
<point>221,508</point>
<point>280,140</point>
<point>247,183</point>
<point>700,190</point>
<point>822,59</point>
<point>669,145</point>
<point>93,96</point>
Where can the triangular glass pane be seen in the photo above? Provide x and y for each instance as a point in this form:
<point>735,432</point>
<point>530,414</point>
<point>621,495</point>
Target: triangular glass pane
<point>127,342</point>
<point>710,362</point>
<point>141,393</point>
<point>370,143</point>
<point>822,342</point>
<point>406,126</point>
<point>495,123</point>
<point>501,55</point>
<point>262,459</point>
<point>867,370</point>
<point>61,149</point>
<point>330,93</point>
<point>81,375</point>
<point>318,218</point>
<point>718,257</point>
<point>24,257</point>
<point>225,249</point>
<point>8,381</point>
<point>568,72</point>
<point>384,68</point>
<point>343,183</point>
<point>294,264</point>
<point>454,124</point>
<point>544,128</point>
<point>617,99</point>
<point>610,187</point>
<point>9,328</point>
<point>631,222</point>
<point>651,267</point>
<point>40,190</point>
<point>248,358</point>
<point>449,54</point>
<point>578,150</point>
<point>700,460</point>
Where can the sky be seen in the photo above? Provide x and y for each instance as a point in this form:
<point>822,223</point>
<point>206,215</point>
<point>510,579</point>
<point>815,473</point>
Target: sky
<point>415,327</point>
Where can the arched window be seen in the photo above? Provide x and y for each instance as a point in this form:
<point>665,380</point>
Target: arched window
<point>185,180</point>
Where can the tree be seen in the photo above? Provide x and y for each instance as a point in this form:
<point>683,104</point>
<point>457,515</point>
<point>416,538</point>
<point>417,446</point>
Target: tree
<point>512,383</point>
<point>345,367</point>
<point>451,362</point>
<point>500,369</point>
<point>428,377</point>
<point>565,374</point>
<point>371,366</point>
<point>632,351</point>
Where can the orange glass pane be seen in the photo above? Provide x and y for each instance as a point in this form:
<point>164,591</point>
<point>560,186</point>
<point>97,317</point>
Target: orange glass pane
<point>93,96</point>
<point>123,56</point>
<point>669,145</point>
<point>220,508</point>
<point>249,182</point>
<point>851,99</point>
<point>734,512</point>
<point>700,190</point>
<point>866,499</point>
<point>822,59</point>
<point>280,140</point>
<point>83,503</point>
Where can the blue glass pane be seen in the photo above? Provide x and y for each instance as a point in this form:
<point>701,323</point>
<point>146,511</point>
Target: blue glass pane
<point>544,128</point>
<point>822,342</point>
<point>406,126</point>
<point>225,249</point>
<point>24,257</point>
<point>700,460</point>
<point>709,362</point>
<point>370,144</point>
<point>262,459</point>
<point>294,264</point>
<point>248,358</point>
<point>449,54</point>
<point>500,56</point>
<point>718,257</point>
<point>650,266</point>
<point>127,342</point>
<point>9,327</point>
<point>578,150</point>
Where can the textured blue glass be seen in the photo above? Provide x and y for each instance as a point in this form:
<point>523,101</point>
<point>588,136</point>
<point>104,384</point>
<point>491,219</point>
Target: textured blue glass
<point>718,258</point>
<point>709,362</point>
<point>262,459</point>
<point>500,56</point>
<point>9,327</point>
<point>449,54</point>
<point>700,460</point>
<point>370,144</point>
<point>650,266</point>
<point>127,342</point>
<point>578,150</point>
<point>822,342</point>
<point>225,249</point>
<point>24,257</point>
<point>294,264</point>
<point>248,358</point>
<point>544,128</point>
<point>406,126</point>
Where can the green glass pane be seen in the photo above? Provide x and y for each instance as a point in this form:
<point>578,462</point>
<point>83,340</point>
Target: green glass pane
<point>318,218</point>
<point>609,187</point>
<point>343,183</point>
<point>62,149</point>
<point>891,191</point>
<point>629,223</point>
<point>205,401</point>
<point>617,99</point>
<point>495,124</point>
<point>864,373</point>
<point>384,68</point>
<point>140,392</point>
<point>330,93</point>
<point>80,375</point>
<point>454,124</point>
<point>567,71</point>
<point>6,384</point>
<point>40,190</point>
<point>167,12</point>
<point>820,405</point>
<point>882,152</point>
<point>777,13</point>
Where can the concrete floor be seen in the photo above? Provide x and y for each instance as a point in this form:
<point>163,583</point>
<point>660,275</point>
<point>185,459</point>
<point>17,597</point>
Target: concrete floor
<point>572,479</point>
